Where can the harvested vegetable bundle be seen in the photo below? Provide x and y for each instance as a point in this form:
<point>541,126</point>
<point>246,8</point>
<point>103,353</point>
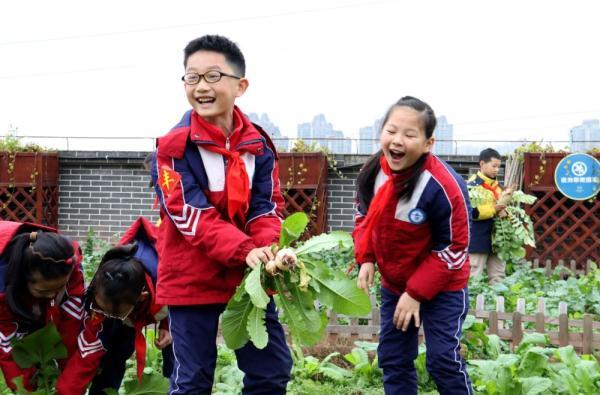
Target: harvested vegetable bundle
<point>514,231</point>
<point>300,278</point>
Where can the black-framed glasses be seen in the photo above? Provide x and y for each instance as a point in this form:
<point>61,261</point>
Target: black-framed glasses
<point>122,317</point>
<point>210,76</point>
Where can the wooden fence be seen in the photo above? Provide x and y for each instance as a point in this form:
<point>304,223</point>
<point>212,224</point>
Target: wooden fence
<point>583,334</point>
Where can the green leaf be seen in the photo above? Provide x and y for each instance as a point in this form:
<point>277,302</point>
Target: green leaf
<point>343,296</point>
<point>568,356</point>
<point>257,329</point>
<point>533,363</point>
<point>530,339</point>
<point>304,322</point>
<point>534,385</point>
<point>40,347</point>
<point>254,288</point>
<point>325,242</point>
<point>292,228</point>
<point>151,384</point>
<point>234,321</point>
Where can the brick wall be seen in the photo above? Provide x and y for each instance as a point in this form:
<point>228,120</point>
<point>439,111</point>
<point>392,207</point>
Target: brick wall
<point>108,190</point>
<point>103,190</point>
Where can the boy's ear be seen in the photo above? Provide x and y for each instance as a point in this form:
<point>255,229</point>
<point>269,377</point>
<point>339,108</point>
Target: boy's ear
<point>481,163</point>
<point>242,86</point>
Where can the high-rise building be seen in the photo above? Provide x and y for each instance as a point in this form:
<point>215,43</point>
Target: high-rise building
<point>282,143</point>
<point>368,142</point>
<point>444,137</point>
<point>585,136</point>
<point>321,132</point>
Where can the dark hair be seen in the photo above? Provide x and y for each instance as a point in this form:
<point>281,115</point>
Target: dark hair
<point>368,173</point>
<point>120,277</point>
<point>488,154</point>
<point>220,44</point>
<point>49,254</point>
<point>148,167</point>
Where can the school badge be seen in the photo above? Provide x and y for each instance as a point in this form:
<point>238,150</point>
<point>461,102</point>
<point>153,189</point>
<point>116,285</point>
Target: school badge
<point>417,216</point>
<point>168,180</point>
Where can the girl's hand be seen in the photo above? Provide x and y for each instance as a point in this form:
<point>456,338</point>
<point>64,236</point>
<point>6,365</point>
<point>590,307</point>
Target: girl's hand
<point>256,255</point>
<point>164,339</point>
<point>366,274</point>
<point>406,309</point>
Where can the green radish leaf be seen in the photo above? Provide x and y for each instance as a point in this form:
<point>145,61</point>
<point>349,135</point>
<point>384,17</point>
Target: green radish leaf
<point>303,322</point>
<point>235,318</point>
<point>254,288</point>
<point>534,385</point>
<point>257,329</point>
<point>343,296</point>
<point>151,384</point>
<point>325,242</point>
<point>292,228</point>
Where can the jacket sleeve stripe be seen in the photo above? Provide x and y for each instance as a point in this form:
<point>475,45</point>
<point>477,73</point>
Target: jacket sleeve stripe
<point>185,216</point>
<point>457,226</point>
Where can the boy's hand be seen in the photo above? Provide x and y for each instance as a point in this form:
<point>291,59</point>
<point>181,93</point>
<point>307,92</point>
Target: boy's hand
<point>406,309</point>
<point>499,207</point>
<point>164,339</point>
<point>366,275</point>
<point>259,254</point>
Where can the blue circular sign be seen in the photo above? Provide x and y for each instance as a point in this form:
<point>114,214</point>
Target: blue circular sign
<point>577,176</point>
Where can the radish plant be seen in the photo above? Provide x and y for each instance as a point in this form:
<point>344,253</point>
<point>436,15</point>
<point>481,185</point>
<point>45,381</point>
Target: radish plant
<point>300,278</point>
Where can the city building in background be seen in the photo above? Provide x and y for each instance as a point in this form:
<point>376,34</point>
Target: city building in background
<point>444,137</point>
<point>282,143</point>
<point>321,132</point>
<point>368,136</point>
<point>585,136</point>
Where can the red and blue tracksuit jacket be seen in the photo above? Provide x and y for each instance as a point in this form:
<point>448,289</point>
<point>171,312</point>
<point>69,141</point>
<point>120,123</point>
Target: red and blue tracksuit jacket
<point>95,337</point>
<point>66,314</point>
<point>202,253</point>
<point>421,245</point>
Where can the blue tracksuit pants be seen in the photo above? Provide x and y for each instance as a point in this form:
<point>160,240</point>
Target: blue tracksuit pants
<point>442,319</point>
<point>194,332</point>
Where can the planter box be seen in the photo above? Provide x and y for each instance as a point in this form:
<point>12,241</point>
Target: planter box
<point>303,179</point>
<point>29,187</point>
<point>564,229</point>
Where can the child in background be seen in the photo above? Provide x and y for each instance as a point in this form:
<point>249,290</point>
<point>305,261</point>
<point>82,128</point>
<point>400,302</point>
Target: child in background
<point>119,303</point>
<point>413,222</point>
<point>41,282</point>
<point>217,180</point>
<point>489,206</point>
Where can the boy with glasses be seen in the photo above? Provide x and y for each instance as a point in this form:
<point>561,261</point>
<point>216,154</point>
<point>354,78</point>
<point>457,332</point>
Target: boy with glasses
<point>216,178</point>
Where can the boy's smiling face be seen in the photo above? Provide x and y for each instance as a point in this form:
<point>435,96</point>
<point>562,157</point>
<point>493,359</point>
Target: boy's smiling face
<point>214,101</point>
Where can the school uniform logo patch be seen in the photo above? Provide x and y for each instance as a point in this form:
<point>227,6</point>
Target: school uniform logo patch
<point>168,180</point>
<point>417,216</point>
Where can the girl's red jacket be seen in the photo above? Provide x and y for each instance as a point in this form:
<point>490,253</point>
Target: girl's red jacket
<point>421,245</point>
<point>66,314</point>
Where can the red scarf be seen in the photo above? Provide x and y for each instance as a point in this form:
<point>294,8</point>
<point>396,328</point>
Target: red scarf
<point>237,185</point>
<point>384,195</point>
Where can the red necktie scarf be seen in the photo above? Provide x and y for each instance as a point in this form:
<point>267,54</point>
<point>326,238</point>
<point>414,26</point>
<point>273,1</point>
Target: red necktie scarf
<point>237,185</point>
<point>383,195</point>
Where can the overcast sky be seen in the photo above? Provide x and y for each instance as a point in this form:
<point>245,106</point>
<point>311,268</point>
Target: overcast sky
<point>497,69</point>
